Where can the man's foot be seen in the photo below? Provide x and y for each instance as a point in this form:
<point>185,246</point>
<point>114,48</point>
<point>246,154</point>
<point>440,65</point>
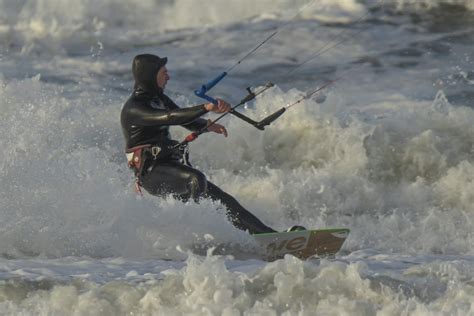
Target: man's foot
<point>295,228</point>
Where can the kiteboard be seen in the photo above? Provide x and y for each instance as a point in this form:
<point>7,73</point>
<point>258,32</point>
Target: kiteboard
<point>302,244</point>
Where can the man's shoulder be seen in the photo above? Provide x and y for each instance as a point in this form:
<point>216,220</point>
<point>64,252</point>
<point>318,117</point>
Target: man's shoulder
<point>134,101</point>
<point>156,102</point>
<point>131,108</point>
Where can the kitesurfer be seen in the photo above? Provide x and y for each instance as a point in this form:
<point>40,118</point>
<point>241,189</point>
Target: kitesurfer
<point>161,166</point>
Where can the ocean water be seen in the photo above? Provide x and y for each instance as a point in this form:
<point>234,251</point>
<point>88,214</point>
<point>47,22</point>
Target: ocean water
<point>387,151</point>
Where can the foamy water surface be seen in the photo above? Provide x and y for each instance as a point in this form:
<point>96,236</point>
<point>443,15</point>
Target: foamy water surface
<point>386,151</point>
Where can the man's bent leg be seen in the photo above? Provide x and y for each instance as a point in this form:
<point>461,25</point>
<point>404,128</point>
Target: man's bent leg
<point>172,177</point>
<point>238,215</point>
<point>185,182</point>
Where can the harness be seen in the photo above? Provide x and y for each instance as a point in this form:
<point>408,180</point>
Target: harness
<point>141,159</point>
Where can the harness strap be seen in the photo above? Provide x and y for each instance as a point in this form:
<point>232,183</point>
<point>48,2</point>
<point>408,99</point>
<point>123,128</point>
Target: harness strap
<point>136,163</point>
<point>138,187</point>
<point>186,156</point>
<point>134,156</point>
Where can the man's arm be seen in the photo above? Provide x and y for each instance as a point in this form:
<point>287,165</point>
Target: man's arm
<point>147,116</point>
<point>196,125</point>
<point>199,123</point>
<point>193,126</point>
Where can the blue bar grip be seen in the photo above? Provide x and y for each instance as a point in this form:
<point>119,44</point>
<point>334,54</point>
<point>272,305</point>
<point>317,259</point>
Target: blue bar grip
<point>208,98</point>
<point>208,86</point>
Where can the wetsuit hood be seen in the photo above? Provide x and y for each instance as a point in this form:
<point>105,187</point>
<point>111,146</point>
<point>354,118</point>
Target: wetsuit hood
<point>144,68</point>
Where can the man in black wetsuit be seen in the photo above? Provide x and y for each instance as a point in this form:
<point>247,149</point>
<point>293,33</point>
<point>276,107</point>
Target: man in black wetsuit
<point>159,164</point>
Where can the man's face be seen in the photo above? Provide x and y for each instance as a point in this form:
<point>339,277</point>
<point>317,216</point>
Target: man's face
<point>162,77</point>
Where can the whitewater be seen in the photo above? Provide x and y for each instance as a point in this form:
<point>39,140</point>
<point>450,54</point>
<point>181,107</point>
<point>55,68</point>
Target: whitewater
<point>387,151</point>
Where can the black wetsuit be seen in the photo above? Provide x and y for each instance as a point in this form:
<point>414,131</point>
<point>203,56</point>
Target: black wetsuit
<point>145,119</point>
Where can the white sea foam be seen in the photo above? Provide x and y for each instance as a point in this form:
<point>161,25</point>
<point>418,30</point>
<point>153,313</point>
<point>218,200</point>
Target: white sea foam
<point>212,285</point>
<point>81,26</point>
<point>388,154</point>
